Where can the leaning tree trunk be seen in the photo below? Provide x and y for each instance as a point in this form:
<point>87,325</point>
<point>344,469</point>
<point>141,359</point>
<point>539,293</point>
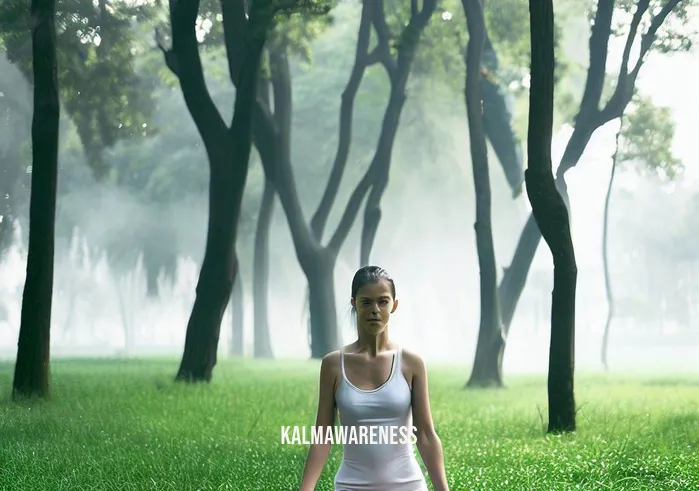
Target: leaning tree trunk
<point>31,377</point>
<point>263,343</point>
<point>220,264</point>
<point>605,251</point>
<point>236,345</point>
<point>551,216</point>
<point>487,366</point>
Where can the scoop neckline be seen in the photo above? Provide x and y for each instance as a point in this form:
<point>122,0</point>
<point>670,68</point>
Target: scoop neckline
<point>394,363</point>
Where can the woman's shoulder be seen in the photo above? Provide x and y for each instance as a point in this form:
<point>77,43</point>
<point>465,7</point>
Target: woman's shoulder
<point>331,361</point>
<point>413,360</point>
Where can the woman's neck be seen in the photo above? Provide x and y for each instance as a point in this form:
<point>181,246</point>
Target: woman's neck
<point>373,345</point>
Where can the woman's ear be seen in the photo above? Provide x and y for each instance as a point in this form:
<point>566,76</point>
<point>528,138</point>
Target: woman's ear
<point>395,305</point>
<point>353,303</point>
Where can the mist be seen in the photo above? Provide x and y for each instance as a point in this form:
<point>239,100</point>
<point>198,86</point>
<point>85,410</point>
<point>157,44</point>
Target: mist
<point>425,240</point>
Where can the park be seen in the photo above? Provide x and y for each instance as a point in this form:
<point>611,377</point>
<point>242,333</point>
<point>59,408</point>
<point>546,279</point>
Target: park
<point>188,188</point>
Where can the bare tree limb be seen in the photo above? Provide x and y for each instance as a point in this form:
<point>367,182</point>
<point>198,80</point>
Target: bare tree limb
<point>626,82</point>
<point>361,61</point>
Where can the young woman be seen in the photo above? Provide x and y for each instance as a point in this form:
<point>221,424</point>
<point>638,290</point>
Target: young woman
<point>374,382</point>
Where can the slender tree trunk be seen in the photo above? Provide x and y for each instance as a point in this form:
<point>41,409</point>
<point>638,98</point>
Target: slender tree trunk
<point>487,366</point>
<point>321,283</point>
<point>31,377</point>
<point>263,343</point>
<point>237,342</point>
<point>605,251</point>
<point>551,214</point>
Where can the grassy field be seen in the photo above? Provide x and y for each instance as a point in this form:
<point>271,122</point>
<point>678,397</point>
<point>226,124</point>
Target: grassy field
<point>123,425</point>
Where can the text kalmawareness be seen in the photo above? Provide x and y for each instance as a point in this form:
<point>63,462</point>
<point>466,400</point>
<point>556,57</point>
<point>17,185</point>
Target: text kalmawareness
<point>348,435</point>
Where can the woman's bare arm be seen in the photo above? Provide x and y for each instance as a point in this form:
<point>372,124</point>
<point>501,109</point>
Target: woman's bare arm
<point>428,443</point>
<point>319,452</point>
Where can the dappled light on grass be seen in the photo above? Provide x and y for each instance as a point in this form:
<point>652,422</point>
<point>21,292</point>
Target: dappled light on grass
<point>125,425</point>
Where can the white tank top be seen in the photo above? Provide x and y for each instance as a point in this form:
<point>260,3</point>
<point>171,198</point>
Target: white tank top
<point>385,466</point>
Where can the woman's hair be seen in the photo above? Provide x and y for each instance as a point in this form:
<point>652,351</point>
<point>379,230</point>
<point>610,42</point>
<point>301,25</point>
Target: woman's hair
<point>371,275</point>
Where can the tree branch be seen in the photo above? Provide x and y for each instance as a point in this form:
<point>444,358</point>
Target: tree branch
<point>626,82</point>
<point>283,175</point>
<point>320,218</point>
<point>383,33</point>
<point>351,212</point>
<point>599,41</point>
<point>235,30</point>
<point>185,53</point>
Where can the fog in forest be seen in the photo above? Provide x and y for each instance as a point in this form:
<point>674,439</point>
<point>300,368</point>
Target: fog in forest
<point>425,240</point>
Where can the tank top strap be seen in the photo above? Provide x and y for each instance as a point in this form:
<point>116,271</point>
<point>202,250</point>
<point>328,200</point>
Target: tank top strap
<point>342,362</point>
<point>397,363</point>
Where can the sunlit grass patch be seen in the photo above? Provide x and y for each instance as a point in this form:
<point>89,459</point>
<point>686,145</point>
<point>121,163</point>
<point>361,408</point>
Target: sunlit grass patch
<point>124,425</point>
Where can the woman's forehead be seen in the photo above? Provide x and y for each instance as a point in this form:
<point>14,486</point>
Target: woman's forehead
<point>371,290</point>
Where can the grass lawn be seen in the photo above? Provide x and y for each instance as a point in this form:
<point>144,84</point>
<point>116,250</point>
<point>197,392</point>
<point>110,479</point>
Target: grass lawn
<point>123,425</point>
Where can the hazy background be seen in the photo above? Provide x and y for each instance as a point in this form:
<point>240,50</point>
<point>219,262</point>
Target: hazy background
<point>425,240</point>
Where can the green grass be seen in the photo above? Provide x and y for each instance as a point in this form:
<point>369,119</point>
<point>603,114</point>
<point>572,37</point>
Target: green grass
<point>123,425</point>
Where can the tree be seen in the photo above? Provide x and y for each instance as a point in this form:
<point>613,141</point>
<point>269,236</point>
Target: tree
<point>591,114</point>
<point>96,44</point>
<point>31,376</point>
<point>398,70</point>
<point>228,150</point>
<point>551,215</point>
<point>262,341</point>
<point>272,136</point>
<point>644,137</point>
<point>486,367</point>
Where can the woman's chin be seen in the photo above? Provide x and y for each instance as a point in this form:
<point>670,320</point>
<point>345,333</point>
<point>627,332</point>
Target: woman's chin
<point>374,329</point>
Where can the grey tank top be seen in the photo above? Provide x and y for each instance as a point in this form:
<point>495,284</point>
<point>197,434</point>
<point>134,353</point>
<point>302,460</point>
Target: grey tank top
<point>384,465</point>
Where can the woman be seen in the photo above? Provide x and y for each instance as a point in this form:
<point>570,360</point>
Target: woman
<point>374,382</point>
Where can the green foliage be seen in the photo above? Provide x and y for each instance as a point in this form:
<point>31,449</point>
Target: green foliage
<point>676,34</point>
<point>118,424</point>
<point>296,27</point>
<point>646,138</point>
<point>96,48</point>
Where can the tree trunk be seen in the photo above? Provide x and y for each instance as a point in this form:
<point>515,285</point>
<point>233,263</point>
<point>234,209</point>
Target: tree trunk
<point>605,252</point>
<point>487,366</point>
<point>219,266</point>
<point>515,276</point>
<point>237,342</point>
<point>263,343</point>
<point>321,285</point>
<point>228,151</point>
<point>551,215</point>
<point>31,377</point>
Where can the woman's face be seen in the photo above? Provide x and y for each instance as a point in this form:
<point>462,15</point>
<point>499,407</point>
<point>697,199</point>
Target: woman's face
<point>374,304</point>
